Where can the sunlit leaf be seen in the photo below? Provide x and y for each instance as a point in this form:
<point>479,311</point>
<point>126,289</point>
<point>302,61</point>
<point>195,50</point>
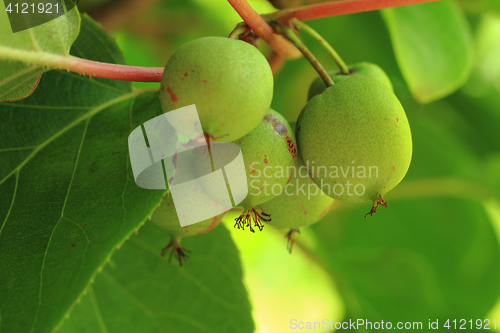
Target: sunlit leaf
<point>18,77</point>
<point>433,47</point>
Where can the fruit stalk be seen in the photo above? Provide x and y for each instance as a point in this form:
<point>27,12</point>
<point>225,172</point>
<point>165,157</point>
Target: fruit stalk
<point>240,28</point>
<point>335,8</point>
<point>292,36</point>
<point>313,33</point>
<point>279,44</point>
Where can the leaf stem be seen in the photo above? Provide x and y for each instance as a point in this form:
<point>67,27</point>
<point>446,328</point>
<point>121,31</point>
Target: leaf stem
<point>279,44</point>
<point>334,8</point>
<point>114,71</point>
<point>83,66</point>
<point>292,36</point>
<point>313,33</point>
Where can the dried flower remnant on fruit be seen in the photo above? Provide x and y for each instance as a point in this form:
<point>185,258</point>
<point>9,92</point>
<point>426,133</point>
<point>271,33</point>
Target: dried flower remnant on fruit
<point>245,219</point>
<point>376,204</point>
<point>291,146</point>
<point>291,239</point>
<point>166,217</point>
<point>175,249</point>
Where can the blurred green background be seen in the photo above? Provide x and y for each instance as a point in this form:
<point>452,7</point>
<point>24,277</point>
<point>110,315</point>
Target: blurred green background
<point>434,254</point>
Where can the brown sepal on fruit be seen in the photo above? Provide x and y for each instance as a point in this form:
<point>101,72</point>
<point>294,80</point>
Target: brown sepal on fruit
<point>246,218</point>
<point>377,203</point>
<point>291,239</point>
<point>175,247</point>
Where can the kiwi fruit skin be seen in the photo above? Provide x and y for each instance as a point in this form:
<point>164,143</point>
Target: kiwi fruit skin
<point>356,124</point>
<point>267,149</point>
<point>300,209</point>
<point>363,68</point>
<point>165,216</point>
<point>229,81</point>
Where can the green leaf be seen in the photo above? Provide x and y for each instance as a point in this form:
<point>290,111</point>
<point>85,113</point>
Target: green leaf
<point>18,75</point>
<point>139,291</point>
<point>433,47</point>
<point>453,156</point>
<point>67,194</point>
<point>481,6</point>
<point>417,260</point>
<point>493,209</point>
<point>68,199</point>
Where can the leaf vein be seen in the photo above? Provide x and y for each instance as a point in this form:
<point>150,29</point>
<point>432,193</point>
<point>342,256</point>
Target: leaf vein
<point>16,75</point>
<point>13,88</point>
<point>71,125</point>
<point>201,286</point>
<point>134,301</point>
<point>97,311</point>
<point>11,204</point>
<point>17,148</point>
<point>55,227</point>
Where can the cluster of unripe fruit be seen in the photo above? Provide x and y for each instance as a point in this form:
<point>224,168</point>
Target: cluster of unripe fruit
<point>357,121</point>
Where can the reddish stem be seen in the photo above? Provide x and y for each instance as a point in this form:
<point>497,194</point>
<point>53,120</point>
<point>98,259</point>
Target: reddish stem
<point>282,46</point>
<point>113,71</point>
<point>335,8</point>
<point>251,17</point>
<point>258,24</point>
<point>279,44</point>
